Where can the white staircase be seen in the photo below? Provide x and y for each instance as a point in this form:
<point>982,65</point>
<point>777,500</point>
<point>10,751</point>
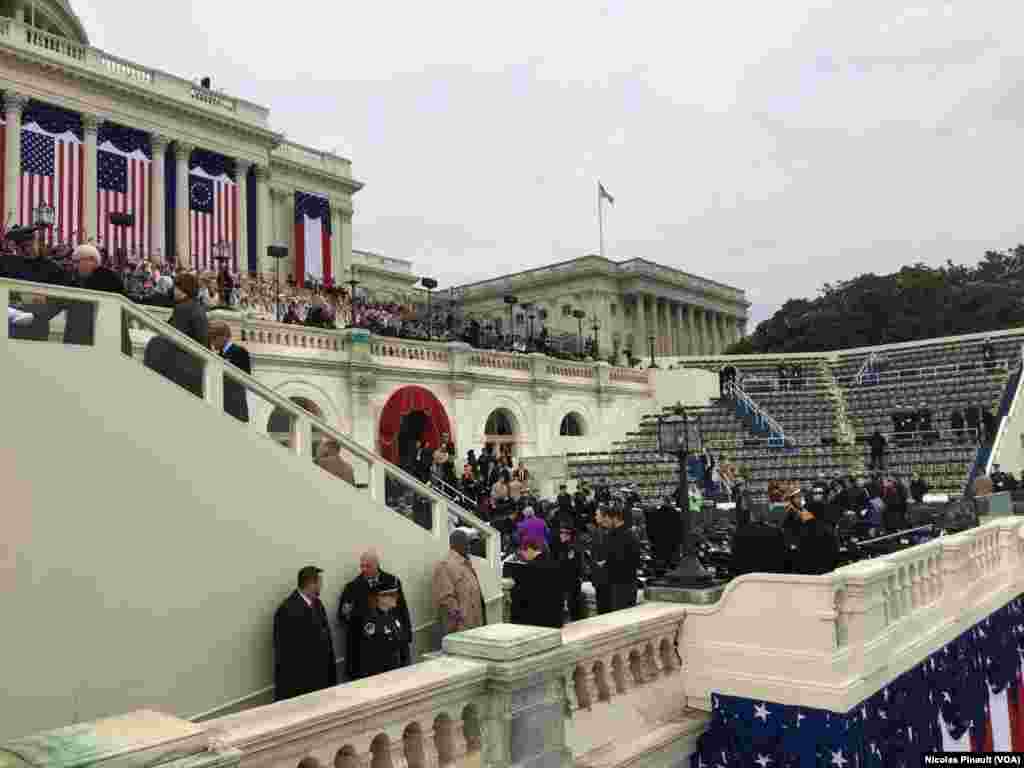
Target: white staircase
<point>149,536</point>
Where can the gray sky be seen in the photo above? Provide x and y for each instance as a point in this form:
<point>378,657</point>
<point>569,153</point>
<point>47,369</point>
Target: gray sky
<point>772,146</point>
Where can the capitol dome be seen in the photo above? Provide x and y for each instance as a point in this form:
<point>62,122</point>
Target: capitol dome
<point>53,16</point>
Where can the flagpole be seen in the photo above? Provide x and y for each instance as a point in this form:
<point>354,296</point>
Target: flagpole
<point>600,220</point>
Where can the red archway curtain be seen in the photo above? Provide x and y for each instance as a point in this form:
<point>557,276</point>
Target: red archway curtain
<point>403,402</point>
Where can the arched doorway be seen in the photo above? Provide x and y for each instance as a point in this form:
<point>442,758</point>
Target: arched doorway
<point>411,413</point>
<point>279,426</point>
<point>501,432</point>
<point>572,425</point>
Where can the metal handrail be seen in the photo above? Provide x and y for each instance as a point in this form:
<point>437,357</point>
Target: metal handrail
<point>922,372</point>
<point>738,392</point>
<point>871,360</point>
<point>215,368</point>
<point>894,535</point>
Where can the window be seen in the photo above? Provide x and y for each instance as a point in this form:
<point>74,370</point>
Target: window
<point>566,310</point>
<point>520,318</point>
<point>572,425</point>
<point>614,309</point>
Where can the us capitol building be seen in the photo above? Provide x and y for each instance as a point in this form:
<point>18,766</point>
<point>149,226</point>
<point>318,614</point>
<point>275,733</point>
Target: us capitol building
<point>48,62</point>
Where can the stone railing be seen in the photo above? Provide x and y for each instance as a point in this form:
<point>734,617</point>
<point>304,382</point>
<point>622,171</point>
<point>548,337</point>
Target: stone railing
<point>629,375</point>
<point>366,258</point>
<point>502,361</point>
<point>498,696</point>
<point>277,334</point>
<point>343,345</point>
<point>314,158</point>
<point>67,52</point>
<point>404,349</point>
<point>832,638</point>
<point>428,715</point>
<point>571,371</point>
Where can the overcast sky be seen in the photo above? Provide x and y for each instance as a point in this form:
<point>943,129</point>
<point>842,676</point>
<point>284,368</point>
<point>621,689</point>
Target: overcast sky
<point>772,146</point>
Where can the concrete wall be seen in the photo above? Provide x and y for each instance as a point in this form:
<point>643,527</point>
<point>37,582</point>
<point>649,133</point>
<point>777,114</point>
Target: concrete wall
<point>148,540</point>
<point>690,386</point>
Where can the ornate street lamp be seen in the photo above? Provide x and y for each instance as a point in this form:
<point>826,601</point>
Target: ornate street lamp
<point>679,435</point>
<point>650,342</point>
<point>430,284</point>
<point>277,251</point>
<point>579,314</point>
<point>511,301</point>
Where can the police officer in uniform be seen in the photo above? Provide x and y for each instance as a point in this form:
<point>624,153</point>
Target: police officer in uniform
<point>354,606</point>
<point>382,644</point>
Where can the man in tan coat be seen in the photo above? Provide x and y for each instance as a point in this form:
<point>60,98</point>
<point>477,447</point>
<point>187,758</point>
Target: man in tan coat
<point>457,593</point>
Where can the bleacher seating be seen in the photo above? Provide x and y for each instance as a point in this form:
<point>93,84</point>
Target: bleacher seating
<point>827,415</point>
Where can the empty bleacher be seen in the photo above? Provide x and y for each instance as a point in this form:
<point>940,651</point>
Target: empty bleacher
<point>838,401</point>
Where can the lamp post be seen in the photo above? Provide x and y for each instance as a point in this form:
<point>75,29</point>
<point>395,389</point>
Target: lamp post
<point>579,314</point>
<point>650,342</point>
<point>430,284</point>
<point>42,216</point>
<point>679,435</point>
<point>352,283</point>
<point>511,301</point>
<point>277,251</point>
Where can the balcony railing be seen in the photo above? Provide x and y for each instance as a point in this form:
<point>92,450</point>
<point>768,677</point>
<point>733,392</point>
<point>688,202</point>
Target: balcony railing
<point>69,53</point>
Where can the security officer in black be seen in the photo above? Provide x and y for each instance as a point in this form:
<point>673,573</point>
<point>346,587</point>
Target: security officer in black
<point>382,645</point>
<point>566,551</point>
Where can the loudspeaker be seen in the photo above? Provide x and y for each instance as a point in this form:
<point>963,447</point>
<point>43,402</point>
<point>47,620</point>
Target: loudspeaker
<point>122,219</point>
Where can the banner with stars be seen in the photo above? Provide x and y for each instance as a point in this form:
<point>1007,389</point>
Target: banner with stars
<point>966,697</point>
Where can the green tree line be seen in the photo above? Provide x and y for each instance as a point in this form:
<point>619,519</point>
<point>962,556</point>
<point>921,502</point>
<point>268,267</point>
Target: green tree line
<point>917,302</point>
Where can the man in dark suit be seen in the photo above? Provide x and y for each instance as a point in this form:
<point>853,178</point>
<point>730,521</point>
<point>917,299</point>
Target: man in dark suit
<point>304,658</point>
<point>354,607</point>
<point>235,402</point>
<point>758,547</point>
<point>80,325</point>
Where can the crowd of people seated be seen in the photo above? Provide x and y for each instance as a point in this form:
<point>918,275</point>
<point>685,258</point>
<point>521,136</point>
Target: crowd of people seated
<point>312,304</point>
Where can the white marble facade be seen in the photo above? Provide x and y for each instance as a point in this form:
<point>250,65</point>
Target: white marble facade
<point>46,57</point>
<point>631,301</point>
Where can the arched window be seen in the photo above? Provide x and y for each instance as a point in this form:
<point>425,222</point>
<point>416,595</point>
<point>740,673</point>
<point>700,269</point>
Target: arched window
<point>281,421</point>
<point>572,425</point>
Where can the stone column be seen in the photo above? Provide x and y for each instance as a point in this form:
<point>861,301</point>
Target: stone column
<point>522,718</point>
<point>242,246</point>
<point>673,324</point>
<point>640,335</point>
<point>14,105</point>
<point>158,230</point>
<point>709,333</point>
<point>264,224</point>
<point>345,243</point>
<point>336,260</point>
<point>284,207</point>
<point>90,210</point>
<point>182,248</point>
<point>723,331</point>
<point>698,329</point>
